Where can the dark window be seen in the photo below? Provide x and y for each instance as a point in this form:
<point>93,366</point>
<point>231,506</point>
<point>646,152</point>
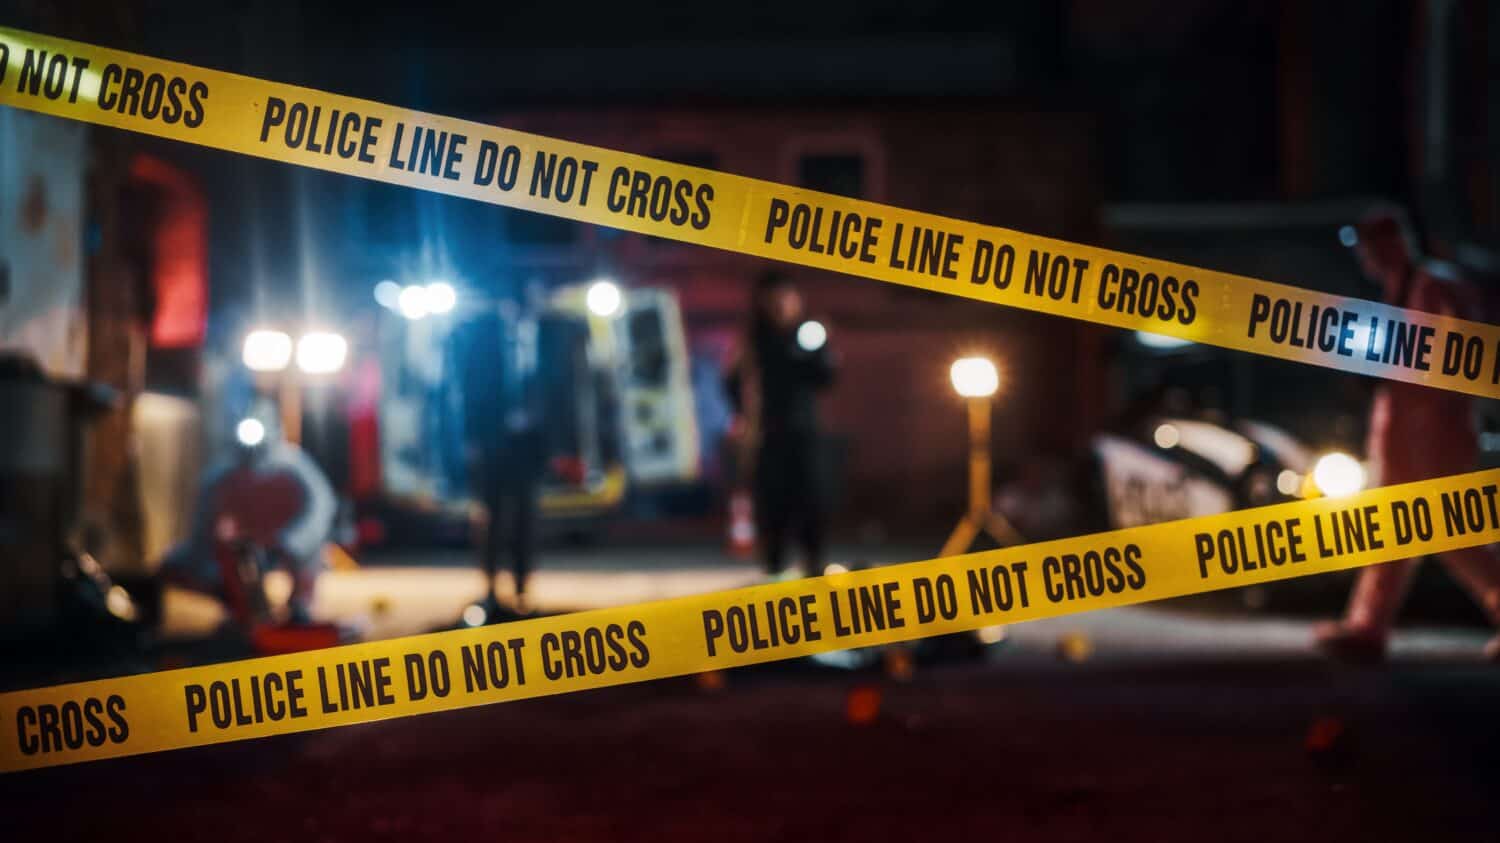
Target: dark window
<point>840,174</point>
<point>648,347</point>
<point>691,157</point>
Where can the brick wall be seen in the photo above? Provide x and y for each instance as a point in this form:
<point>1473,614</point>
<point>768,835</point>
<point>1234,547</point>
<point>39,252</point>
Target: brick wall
<point>983,161</point>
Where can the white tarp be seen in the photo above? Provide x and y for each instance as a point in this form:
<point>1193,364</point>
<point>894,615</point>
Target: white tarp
<point>42,164</point>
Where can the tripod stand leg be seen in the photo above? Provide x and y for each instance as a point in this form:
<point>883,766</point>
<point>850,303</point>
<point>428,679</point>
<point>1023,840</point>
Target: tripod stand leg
<point>1001,530</point>
<point>961,538</point>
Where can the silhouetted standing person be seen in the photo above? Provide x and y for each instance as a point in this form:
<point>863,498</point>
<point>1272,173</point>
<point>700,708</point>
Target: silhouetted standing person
<point>503,448</point>
<point>783,364</point>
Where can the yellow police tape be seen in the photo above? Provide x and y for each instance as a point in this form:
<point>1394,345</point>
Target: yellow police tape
<point>534,658</point>
<point>462,158</point>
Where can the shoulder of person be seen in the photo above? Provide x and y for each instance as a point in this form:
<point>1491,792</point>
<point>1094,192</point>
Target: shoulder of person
<point>1442,271</point>
<point>1443,287</point>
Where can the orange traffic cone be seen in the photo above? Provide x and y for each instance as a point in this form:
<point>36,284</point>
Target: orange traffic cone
<point>741,525</point>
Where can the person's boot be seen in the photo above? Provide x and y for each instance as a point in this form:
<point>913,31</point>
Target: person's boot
<point>1352,644</point>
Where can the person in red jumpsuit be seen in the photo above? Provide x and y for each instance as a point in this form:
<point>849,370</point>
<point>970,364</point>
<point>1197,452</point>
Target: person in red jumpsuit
<point>269,494</point>
<point>1416,433</point>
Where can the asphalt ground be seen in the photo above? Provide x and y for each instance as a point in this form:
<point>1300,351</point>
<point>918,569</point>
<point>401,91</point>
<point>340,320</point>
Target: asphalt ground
<point>1134,724</point>
<point>1188,720</point>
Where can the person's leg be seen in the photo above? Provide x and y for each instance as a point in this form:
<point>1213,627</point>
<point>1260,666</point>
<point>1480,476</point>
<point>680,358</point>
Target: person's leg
<point>808,504</point>
<point>1379,590</point>
<point>494,535</point>
<point>1478,571</point>
<point>1373,605</point>
<point>1378,594</point>
<point>771,512</point>
<point>523,538</point>
<point>771,523</point>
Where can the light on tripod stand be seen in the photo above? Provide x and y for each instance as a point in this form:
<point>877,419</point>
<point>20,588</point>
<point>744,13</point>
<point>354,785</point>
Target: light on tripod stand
<point>974,377</point>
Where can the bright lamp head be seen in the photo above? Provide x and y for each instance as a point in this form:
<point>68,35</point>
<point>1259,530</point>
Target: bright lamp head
<point>603,298</point>
<point>1337,474</point>
<point>250,432</point>
<point>321,352</point>
<point>412,302</point>
<point>266,350</point>
<point>387,294</point>
<point>441,297</point>
<point>974,377</point>
<point>811,335</point>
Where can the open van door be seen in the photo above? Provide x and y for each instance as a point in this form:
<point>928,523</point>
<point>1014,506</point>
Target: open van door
<point>660,426</point>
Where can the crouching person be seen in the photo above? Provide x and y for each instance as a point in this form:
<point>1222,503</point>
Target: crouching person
<point>267,506</point>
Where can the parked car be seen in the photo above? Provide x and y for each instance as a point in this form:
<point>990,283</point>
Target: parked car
<point>1172,467</point>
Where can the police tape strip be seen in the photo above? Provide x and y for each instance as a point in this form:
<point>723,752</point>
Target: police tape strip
<point>534,658</point>
<point>461,158</point>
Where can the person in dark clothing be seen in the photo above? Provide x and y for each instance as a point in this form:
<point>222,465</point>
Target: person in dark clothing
<point>503,448</point>
<point>783,364</point>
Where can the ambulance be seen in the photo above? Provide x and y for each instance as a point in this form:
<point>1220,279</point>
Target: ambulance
<point>611,369</point>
